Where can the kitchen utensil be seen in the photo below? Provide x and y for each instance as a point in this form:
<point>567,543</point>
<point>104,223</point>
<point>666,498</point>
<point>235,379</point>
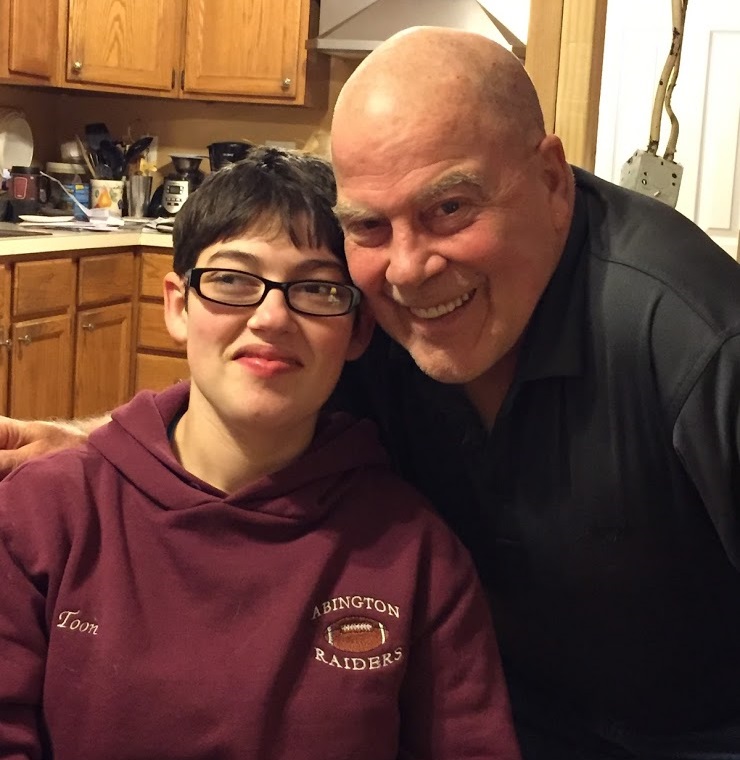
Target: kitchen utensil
<point>112,156</point>
<point>138,189</point>
<point>137,149</point>
<point>69,150</point>
<point>86,156</point>
<point>221,154</point>
<point>16,140</point>
<point>95,134</point>
<point>40,219</point>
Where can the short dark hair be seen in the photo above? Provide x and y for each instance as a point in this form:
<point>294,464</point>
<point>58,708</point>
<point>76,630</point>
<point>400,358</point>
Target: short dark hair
<point>271,191</point>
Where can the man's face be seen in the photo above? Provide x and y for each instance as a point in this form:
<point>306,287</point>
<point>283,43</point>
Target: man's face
<point>453,238</point>
<point>264,365</point>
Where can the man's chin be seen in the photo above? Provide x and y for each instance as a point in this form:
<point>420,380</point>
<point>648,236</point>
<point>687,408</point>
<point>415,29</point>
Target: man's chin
<point>445,367</point>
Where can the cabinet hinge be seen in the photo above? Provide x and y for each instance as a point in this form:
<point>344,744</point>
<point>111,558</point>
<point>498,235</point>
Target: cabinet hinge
<point>172,81</point>
<point>182,79</point>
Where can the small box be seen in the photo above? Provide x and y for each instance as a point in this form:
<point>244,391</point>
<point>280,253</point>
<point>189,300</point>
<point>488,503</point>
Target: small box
<point>649,174</point>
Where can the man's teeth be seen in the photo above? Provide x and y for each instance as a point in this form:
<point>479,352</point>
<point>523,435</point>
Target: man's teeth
<point>444,308</point>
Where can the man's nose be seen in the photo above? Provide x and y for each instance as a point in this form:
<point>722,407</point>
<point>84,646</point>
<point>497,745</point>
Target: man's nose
<point>412,258</point>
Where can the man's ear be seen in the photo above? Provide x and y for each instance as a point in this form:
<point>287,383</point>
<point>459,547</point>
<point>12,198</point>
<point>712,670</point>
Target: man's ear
<point>175,308</point>
<point>559,180</point>
<point>362,332</point>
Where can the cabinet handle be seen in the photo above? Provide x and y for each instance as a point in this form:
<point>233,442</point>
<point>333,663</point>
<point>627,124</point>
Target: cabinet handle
<point>27,339</point>
<point>89,326</point>
<point>77,67</point>
<point>285,84</point>
<point>7,343</point>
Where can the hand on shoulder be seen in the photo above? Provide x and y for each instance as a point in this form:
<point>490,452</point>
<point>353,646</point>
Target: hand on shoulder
<point>21,440</point>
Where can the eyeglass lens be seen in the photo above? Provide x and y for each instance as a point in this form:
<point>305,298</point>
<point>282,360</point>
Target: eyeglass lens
<point>237,288</point>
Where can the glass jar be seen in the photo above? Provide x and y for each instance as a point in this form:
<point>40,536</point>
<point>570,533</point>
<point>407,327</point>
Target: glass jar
<point>76,182</point>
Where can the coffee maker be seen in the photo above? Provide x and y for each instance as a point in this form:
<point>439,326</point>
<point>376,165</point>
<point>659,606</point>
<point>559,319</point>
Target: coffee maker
<point>177,186</point>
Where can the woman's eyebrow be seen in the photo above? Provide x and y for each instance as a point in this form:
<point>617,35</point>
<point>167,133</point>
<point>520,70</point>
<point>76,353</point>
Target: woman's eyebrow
<point>302,268</point>
<point>234,255</point>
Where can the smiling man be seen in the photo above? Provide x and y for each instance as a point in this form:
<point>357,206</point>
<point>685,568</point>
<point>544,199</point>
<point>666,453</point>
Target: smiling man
<point>562,378</point>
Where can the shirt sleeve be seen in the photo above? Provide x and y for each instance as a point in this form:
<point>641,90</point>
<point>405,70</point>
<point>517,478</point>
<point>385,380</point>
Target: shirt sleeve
<point>454,701</point>
<point>706,437</point>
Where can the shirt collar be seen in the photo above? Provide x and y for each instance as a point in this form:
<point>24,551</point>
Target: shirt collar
<point>553,341</point>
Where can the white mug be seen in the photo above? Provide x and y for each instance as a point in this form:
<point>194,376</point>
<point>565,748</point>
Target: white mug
<point>107,194</point>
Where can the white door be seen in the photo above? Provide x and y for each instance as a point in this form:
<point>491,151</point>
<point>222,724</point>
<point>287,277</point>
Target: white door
<point>706,101</point>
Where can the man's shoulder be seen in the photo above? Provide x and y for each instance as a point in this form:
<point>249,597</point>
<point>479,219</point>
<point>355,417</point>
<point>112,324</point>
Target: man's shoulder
<point>653,252</point>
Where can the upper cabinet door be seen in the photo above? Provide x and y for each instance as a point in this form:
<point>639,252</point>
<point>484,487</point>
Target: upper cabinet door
<point>247,48</point>
<point>126,43</point>
<point>31,29</point>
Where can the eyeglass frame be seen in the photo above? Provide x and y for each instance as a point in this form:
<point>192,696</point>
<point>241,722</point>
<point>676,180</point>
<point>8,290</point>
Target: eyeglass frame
<point>193,282</point>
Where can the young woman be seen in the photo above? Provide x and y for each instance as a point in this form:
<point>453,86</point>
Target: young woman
<point>225,570</point>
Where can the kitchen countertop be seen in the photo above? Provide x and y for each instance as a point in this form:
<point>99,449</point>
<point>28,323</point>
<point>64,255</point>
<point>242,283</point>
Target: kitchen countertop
<point>71,240</point>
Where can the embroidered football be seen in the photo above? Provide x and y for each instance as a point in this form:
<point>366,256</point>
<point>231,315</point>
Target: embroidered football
<point>356,634</point>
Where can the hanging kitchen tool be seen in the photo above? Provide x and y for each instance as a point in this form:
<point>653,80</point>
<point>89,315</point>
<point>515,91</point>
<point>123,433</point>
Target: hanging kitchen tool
<point>112,156</point>
<point>86,157</point>
<point>95,134</point>
<point>137,149</point>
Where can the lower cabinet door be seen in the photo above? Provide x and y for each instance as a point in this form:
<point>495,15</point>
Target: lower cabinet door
<point>41,376</point>
<point>157,372</point>
<point>103,359</point>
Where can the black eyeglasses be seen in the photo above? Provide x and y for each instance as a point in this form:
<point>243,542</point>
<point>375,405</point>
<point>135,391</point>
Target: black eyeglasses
<point>232,287</point>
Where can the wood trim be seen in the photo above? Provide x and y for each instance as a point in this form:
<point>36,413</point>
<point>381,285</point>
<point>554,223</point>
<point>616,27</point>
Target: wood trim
<point>579,79</point>
<point>542,58</point>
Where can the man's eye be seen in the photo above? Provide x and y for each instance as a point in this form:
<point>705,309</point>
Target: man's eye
<point>367,232</point>
<point>447,208</point>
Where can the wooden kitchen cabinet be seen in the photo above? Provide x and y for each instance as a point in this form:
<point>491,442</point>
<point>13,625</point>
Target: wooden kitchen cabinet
<point>29,41</point>
<point>157,372</point>
<point>102,359</point>
<point>105,278</point>
<point>160,361</point>
<point>103,334</point>
<point>250,48</point>
<point>129,44</point>
<point>41,370</point>
<point>236,50</point>
<point>5,341</point>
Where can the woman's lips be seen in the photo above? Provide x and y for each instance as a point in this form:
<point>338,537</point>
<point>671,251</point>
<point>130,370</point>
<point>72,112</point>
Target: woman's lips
<point>267,362</point>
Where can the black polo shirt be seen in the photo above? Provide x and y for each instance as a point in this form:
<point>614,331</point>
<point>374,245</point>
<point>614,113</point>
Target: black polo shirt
<point>603,509</point>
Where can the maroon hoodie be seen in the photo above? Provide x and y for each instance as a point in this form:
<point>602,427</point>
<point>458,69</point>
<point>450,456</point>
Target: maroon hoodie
<point>321,612</point>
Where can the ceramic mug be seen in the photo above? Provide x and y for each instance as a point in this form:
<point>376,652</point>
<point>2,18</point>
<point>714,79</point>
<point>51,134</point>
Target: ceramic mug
<point>107,194</point>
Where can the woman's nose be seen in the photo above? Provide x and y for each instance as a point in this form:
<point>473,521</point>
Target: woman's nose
<point>272,313</point>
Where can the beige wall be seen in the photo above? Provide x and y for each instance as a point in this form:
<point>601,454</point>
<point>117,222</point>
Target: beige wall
<point>56,115</point>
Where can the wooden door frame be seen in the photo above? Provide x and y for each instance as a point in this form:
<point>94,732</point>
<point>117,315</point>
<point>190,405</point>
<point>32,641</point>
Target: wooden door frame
<point>564,58</point>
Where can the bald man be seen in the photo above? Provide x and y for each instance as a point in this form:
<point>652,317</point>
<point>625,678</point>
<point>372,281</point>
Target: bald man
<point>559,370</point>
<point>562,378</point>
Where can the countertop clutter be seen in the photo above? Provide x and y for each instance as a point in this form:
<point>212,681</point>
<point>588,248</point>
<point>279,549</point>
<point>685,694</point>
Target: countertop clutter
<point>27,241</point>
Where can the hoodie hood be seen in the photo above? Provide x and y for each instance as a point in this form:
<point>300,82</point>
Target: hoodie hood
<point>135,442</point>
